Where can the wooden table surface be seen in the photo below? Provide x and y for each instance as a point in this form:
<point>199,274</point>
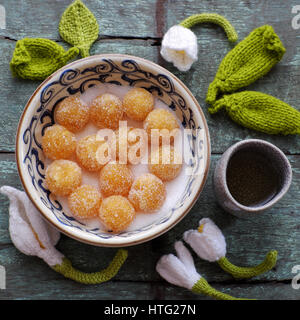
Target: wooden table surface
<point>135,27</point>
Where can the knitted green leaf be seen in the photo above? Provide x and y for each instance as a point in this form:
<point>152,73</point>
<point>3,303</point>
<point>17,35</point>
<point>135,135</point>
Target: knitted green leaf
<point>260,111</point>
<point>248,61</point>
<point>37,58</point>
<point>79,27</point>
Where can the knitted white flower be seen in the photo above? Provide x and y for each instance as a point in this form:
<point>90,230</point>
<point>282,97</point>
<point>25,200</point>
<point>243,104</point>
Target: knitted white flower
<point>179,46</point>
<point>208,241</point>
<point>179,270</point>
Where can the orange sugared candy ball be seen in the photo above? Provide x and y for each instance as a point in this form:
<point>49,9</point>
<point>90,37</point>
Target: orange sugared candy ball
<point>62,177</point>
<point>147,193</point>
<point>58,143</point>
<point>160,119</point>
<point>115,179</point>
<point>116,213</point>
<point>72,114</point>
<point>106,111</point>
<point>165,163</point>
<point>86,152</point>
<point>85,202</point>
<point>137,103</point>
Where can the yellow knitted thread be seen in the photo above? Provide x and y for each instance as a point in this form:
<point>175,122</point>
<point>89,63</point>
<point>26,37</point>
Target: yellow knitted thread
<point>38,58</point>
<point>248,61</point>
<point>79,27</point>
<point>203,287</point>
<point>260,111</point>
<point>211,18</point>
<point>249,272</point>
<point>67,270</point>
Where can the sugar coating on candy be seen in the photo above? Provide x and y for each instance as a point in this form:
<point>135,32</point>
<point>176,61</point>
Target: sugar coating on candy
<point>106,111</point>
<point>160,119</point>
<point>62,177</point>
<point>72,114</point>
<point>116,213</point>
<point>165,163</point>
<point>86,152</point>
<point>115,179</point>
<point>85,202</point>
<point>58,143</point>
<point>137,103</point>
<point>147,193</point>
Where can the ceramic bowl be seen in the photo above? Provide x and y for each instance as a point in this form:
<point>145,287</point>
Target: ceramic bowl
<point>274,156</point>
<point>77,77</point>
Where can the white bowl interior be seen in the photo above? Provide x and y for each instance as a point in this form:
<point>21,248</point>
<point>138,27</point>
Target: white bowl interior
<point>76,78</point>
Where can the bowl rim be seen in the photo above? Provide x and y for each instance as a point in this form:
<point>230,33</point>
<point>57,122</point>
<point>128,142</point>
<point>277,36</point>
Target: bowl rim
<point>100,241</point>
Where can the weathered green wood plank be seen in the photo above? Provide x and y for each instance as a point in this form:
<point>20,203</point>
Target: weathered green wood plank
<point>57,288</point>
<point>259,291</point>
<point>248,240</point>
<point>284,78</point>
<point>115,18</point>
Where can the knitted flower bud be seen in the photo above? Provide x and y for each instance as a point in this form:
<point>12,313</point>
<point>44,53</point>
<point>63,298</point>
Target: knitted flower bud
<point>208,241</point>
<point>260,111</point>
<point>33,236</point>
<point>248,61</point>
<point>181,271</point>
<point>36,59</point>
<point>179,46</point>
<point>209,244</point>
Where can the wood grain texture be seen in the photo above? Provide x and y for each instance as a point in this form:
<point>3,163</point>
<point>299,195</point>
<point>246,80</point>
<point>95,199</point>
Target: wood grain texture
<point>122,18</point>
<point>136,27</point>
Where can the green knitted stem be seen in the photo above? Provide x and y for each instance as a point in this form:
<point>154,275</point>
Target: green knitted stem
<point>211,18</point>
<point>249,272</point>
<point>260,111</point>
<point>248,61</point>
<point>203,287</point>
<point>38,58</point>
<point>67,270</point>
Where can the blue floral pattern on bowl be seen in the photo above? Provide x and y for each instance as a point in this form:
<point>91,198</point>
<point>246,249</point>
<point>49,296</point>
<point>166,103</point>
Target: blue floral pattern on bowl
<point>77,80</point>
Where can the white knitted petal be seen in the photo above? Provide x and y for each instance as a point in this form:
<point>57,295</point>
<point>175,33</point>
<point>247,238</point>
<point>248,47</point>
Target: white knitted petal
<point>26,225</point>
<point>173,270</point>
<point>186,258</point>
<point>47,234</point>
<point>209,244</point>
<point>179,46</point>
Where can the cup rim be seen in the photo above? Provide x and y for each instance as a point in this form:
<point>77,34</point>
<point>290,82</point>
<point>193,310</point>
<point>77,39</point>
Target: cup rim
<point>232,150</point>
<point>103,242</point>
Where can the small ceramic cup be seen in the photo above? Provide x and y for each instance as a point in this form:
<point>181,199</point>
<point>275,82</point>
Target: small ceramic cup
<point>276,158</point>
